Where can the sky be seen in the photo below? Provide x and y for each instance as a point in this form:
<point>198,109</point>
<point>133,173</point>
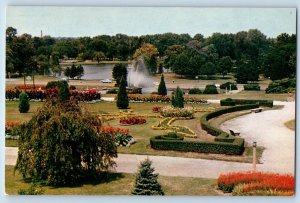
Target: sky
<point>136,21</point>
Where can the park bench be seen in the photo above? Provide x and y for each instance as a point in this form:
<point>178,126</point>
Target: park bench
<point>234,133</point>
<point>257,110</point>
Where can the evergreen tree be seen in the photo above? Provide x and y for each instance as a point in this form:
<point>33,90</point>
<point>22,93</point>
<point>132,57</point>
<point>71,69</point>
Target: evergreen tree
<point>64,93</point>
<point>178,99</point>
<point>24,103</point>
<point>67,72</point>
<point>119,70</point>
<point>122,99</point>
<point>146,180</point>
<point>162,90</point>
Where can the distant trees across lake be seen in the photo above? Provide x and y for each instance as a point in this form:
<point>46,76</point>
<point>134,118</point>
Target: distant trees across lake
<point>241,53</point>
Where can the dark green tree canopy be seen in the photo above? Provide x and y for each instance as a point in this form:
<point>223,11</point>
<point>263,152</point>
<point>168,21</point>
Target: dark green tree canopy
<point>61,145</point>
<point>24,103</point>
<point>177,98</point>
<point>146,180</point>
<point>122,97</point>
<point>119,71</point>
<point>162,89</point>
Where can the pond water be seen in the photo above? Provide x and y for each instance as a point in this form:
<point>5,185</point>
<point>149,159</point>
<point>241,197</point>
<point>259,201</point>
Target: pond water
<point>96,72</point>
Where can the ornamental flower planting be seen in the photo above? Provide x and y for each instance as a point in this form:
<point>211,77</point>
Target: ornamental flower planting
<point>164,99</point>
<point>29,86</point>
<point>132,121</point>
<point>10,125</point>
<point>156,109</point>
<point>257,183</point>
<point>41,94</point>
<point>177,112</point>
<point>122,136</point>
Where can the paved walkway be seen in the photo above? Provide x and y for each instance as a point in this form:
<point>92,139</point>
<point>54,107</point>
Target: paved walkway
<point>278,156</point>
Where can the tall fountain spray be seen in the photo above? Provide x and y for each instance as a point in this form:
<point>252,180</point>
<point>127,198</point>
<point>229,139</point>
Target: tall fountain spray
<point>139,76</point>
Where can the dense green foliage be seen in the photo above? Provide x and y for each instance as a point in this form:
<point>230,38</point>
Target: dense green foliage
<point>236,147</point>
<point>146,180</point>
<point>74,71</point>
<point>282,86</point>
<point>252,87</point>
<point>61,145</point>
<point>210,89</point>
<point>24,105</point>
<point>122,97</point>
<point>233,102</point>
<point>172,136</point>
<point>178,99</point>
<point>119,71</point>
<point>195,91</point>
<point>228,86</point>
<point>34,189</point>
<point>246,53</point>
<point>162,89</point>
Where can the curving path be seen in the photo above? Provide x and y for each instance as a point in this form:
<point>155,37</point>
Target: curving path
<point>268,130</point>
<point>278,156</point>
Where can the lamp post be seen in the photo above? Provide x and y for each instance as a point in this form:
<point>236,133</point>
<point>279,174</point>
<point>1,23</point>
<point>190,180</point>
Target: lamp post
<point>197,77</point>
<point>254,157</point>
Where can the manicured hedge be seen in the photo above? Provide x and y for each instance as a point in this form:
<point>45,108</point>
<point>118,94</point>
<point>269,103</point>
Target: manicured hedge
<point>195,91</point>
<point>210,89</point>
<point>252,87</point>
<point>234,148</point>
<point>216,131</point>
<point>233,102</point>
<point>172,136</point>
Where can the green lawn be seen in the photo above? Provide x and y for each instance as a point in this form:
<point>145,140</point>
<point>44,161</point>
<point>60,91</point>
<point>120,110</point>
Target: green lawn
<point>117,184</point>
<point>141,133</point>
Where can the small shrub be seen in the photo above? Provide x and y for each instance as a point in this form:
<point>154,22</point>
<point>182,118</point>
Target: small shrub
<point>195,91</point>
<point>210,89</point>
<point>162,89</point>
<point>228,85</point>
<point>156,109</point>
<point>252,87</point>
<point>24,102</point>
<point>177,98</point>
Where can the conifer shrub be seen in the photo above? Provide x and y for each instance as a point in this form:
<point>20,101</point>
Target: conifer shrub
<point>122,97</point>
<point>177,98</point>
<point>24,105</point>
<point>146,180</point>
<point>162,89</point>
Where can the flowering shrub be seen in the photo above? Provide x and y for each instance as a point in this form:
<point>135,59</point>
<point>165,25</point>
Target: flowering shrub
<point>122,136</point>
<point>29,86</point>
<point>156,109</point>
<point>41,94</point>
<point>254,183</point>
<point>177,112</point>
<point>10,125</point>
<point>132,121</point>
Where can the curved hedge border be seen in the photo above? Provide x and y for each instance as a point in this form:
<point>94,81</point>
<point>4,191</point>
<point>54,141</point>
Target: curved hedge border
<point>233,102</point>
<point>223,144</point>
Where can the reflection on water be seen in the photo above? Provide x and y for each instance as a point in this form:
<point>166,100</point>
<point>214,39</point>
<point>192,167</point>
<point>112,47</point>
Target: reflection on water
<point>96,72</point>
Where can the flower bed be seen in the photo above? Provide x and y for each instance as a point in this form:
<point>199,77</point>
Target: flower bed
<point>41,94</point>
<point>122,136</point>
<point>29,86</point>
<point>132,121</point>
<point>156,109</point>
<point>165,99</point>
<point>10,132</point>
<point>257,183</point>
<point>177,112</point>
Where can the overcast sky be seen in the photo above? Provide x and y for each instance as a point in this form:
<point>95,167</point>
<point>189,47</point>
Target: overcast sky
<point>92,21</point>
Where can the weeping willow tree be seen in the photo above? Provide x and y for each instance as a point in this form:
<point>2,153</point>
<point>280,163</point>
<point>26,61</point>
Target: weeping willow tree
<point>61,145</point>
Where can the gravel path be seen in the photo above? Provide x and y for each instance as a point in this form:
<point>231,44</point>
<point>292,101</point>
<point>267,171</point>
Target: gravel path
<point>278,156</point>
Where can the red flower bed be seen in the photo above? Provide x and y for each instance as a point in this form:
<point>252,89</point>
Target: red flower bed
<point>156,109</point>
<point>256,181</point>
<point>10,125</point>
<point>41,94</point>
<point>113,130</point>
<point>29,86</point>
<point>132,121</point>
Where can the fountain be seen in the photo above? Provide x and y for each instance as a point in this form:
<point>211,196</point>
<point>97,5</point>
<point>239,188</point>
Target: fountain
<point>139,76</point>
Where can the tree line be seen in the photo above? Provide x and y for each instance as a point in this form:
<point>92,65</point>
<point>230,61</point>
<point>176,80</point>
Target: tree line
<point>245,53</point>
